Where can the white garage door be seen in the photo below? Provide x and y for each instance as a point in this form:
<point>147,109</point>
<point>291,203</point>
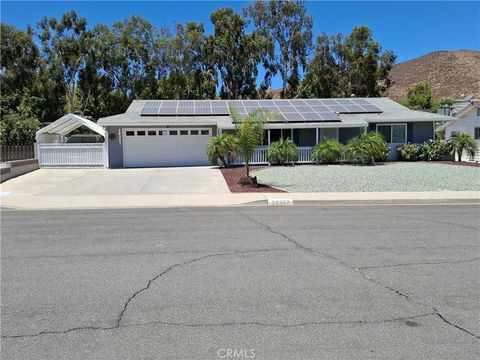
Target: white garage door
<point>165,147</point>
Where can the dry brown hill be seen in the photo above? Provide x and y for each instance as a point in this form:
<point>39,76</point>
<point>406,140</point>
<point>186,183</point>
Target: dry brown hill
<point>450,74</point>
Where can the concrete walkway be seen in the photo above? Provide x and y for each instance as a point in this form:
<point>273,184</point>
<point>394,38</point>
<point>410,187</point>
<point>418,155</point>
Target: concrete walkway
<point>28,202</point>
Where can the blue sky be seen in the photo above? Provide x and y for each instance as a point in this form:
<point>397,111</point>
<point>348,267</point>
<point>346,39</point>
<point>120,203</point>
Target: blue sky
<point>408,28</point>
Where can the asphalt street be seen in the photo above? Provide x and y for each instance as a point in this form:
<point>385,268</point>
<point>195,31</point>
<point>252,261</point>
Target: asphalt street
<point>302,282</point>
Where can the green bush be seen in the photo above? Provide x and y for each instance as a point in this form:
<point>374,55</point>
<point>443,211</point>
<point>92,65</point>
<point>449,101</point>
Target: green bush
<point>432,150</point>
<point>408,152</point>
<point>462,142</point>
<point>282,151</point>
<point>367,148</point>
<point>221,147</point>
<point>330,151</point>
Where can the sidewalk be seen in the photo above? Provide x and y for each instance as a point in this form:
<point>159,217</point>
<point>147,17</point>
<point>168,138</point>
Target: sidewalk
<point>29,202</point>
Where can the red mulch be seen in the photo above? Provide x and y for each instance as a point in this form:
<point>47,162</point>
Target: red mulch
<point>463,163</point>
<point>231,176</point>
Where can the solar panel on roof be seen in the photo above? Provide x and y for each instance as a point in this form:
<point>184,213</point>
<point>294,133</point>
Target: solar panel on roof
<point>293,116</point>
<point>312,102</point>
<point>149,110</point>
<point>337,108</point>
<point>329,116</point>
<point>344,101</point>
<point>354,109</point>
<point>312,116</point>
<point>371,108</point>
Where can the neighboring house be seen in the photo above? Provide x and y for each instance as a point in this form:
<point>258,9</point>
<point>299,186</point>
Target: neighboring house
<point>176,132</point>
<point>466,113</point>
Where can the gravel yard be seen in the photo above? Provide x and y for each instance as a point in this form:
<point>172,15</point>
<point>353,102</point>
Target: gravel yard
<point>387,177</point>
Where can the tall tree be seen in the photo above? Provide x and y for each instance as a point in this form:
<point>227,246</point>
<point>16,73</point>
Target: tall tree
<point>346,66</point>
<point>20,59</point>
<point>236,54</point>
<point>322,72</point>
<point>65,44</point>
<point>365,70</point>
<point>288,26</point>
<point>135,60</point>
<point>190,64</point>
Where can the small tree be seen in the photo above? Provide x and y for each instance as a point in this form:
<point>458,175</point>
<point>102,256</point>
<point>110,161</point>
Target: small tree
<point>221,148</point>
<point>463,142</point>
<point>328,151</point>
<point>282,151</point>
<point>249,133</point>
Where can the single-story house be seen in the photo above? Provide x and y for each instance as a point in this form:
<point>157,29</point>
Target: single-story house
<point>465,115</point>
<point>176,132</point>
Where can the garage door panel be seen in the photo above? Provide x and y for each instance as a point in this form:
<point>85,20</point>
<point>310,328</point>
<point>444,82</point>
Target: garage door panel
<point>165,150</point>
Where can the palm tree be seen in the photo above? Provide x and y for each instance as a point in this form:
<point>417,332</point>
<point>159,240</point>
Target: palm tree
<point>221,148</point>
<point>249,132</point>
<point>463,142</point>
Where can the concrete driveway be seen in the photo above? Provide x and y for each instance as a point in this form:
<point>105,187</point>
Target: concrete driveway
<point>146,181</point>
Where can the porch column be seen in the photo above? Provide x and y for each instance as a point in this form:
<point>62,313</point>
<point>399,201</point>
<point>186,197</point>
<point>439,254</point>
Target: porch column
<point>316,135</point>
<point>268,131</point>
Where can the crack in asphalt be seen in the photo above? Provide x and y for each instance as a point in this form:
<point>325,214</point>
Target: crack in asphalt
<point>419,263</point>
<point>136,293</point>
<point>359,270</point>
<point>245,323</point>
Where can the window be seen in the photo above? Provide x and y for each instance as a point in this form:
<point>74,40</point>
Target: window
<point>476,133</point>
<point>161,132</point>
<point>393,134</point>
<point>399,134</point>
<point>173,132</point>
<point>140,133</point>
<point>193,132</point>
<point>130,133</point>
<point>183,132</point>
<point>204,132</point>
<point>152,132</point>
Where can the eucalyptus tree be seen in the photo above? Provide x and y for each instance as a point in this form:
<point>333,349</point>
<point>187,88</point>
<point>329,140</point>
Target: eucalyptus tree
<point>345,66</point>
<point>191,70</point>
<point>289,28</point>
<point>322,73</point>
<point>236,54</point>
<point>64,45</point>
<point>136,63</point>
<point>20,59</point>
<point>364,67</point>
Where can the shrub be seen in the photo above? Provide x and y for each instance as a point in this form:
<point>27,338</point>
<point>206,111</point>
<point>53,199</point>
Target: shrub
<point>282,151</point>
<point>432,150</point>
<point>366,148</point>
<point>221,148</point>
<point>408,152</point>
<point>460,142</point>
<point>328,152</point>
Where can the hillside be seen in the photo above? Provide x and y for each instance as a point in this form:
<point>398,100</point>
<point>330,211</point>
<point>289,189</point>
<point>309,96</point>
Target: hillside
<point>450,74</point>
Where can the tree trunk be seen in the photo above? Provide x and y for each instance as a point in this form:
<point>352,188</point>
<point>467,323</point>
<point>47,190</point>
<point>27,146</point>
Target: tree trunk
<point>460,151</point>
<point>223,162</point>
<point>247,165</point>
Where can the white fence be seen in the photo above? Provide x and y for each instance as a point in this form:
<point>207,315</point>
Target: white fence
<point>75,155</point>
<point>260,156</point>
